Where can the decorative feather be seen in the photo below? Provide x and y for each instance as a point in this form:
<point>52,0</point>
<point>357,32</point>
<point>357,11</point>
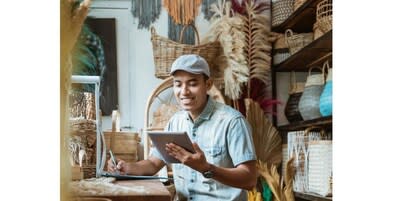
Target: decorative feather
<point>258,47</point>
<point>227,30</point>
<point>267,141</point>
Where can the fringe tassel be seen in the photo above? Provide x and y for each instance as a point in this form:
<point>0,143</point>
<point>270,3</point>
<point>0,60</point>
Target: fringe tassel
<point>205,9</point>
<point>147,12</point>
<point>174,31</point>
<point>182,11</point>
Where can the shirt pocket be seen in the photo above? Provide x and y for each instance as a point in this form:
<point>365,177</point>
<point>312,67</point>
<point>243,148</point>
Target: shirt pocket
<point>214,154</point>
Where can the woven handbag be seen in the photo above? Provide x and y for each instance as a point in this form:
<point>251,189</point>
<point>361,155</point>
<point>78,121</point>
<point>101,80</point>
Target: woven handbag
<point>292,111</point>
<point>325,101</point>
<point>320,167</point>
<point>297,41</point>
<point>165,51</point>
<point>309,101</point>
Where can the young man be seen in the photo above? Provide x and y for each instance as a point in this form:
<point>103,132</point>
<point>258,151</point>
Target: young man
<point>224,164</point>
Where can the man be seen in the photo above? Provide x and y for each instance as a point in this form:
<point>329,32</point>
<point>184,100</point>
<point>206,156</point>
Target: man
<point>224,162</point>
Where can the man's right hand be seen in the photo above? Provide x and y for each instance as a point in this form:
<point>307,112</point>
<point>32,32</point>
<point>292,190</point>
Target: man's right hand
<point>121,167</point>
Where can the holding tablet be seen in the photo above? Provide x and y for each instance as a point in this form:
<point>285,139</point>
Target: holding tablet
<point>161,138</point>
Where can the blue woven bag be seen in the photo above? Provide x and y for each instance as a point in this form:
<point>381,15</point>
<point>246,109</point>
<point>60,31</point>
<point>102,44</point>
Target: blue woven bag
<point>325,101</point>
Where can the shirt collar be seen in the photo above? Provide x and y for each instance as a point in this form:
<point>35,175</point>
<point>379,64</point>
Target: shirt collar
<point>207,111</point>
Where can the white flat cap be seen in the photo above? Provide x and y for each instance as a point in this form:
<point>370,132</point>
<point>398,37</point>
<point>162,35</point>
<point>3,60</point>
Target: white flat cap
<point>191,63</point>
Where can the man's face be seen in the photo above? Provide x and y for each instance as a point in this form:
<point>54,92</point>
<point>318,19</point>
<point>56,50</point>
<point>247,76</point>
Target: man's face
<point>191,91</point>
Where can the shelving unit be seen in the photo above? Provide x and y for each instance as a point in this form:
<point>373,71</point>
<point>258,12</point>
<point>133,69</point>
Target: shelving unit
<point>314,54</point>
<point>310,196</point>
<point>82,79</point>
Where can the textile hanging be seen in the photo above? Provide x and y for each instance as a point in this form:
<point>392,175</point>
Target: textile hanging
<point>182,11</point>
<point>205,9</point>
<point>174,31</point>
<point>146,11</point>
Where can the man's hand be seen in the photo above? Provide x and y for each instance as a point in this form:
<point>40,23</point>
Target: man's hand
<point>122,167</point>
<point>196,161</point>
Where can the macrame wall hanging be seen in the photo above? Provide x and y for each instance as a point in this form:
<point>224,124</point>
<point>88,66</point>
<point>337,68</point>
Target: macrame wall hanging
<point>205,9</point>
<point>174,31</point>
<point>181,13</point>
<point>148,11</point>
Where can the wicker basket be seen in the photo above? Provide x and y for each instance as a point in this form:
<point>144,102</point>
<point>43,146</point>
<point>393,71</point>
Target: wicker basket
<point>297,41</point>
<point>281,56</point>
<point>281,10</point>
<point>324,15</point>
<point>165,51</point>
<point>298,3</point>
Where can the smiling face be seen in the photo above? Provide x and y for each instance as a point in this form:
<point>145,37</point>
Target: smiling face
<point>191,91</point>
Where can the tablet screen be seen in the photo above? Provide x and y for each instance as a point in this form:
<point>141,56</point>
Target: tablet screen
<point>160,138</point>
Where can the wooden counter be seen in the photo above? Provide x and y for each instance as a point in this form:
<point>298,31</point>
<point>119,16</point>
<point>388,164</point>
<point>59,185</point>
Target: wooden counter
<point>151,190</point>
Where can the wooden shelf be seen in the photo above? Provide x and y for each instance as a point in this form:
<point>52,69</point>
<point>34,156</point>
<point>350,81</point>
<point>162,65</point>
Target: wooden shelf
<point>307,55</point>
<point>311,196</point>
<point>323,121</point>
<point>301,20</point>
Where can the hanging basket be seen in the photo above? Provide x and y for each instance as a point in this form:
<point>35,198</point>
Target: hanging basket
<point>324,15</point>
<point>165,51</point>
<point>297,41</point>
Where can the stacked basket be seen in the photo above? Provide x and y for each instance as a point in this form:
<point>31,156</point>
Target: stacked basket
<point>281,10</point>
<point>324,15</point>
<point>297,41</point>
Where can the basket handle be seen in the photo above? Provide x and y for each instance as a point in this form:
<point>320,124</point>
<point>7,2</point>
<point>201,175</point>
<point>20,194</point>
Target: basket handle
<point>325,68</point>
<point>322,131</point>
<point>309,70</point>
<point>288,33</point>
<point>195,30</point>
<point>293,85</point>
<point>153,30</point>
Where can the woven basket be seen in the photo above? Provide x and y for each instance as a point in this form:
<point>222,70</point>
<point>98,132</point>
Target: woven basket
<point>292,111</point>
<point>281,10</point>
<point>324,15</point>
<point>309,101</point>
<point>317,31</point>
<point>279,57</point>
<point>298,3</point>
<point>320,167</point>
<point>165,51</point>
<point>297,41</point>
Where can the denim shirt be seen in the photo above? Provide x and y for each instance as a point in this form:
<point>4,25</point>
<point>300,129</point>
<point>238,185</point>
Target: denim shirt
<point>225,137</point>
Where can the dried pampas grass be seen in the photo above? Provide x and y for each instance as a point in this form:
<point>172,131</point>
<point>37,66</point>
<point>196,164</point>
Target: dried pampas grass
<point>281,192</point>
<point>258,46</point>
<point>227,30</point>
<point>267,141</point>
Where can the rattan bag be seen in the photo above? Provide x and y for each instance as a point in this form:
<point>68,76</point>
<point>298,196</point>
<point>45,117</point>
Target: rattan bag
<point>297,41</point>
<point>165,51</point>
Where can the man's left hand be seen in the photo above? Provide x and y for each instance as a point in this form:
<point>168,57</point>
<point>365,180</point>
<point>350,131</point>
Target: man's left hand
<point>196,161</point>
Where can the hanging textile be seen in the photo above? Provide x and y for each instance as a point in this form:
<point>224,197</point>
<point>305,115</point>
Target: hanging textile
<point>147,12</point>
<point>174,31</point>
<point>182,11</point>
<point>205,9</point>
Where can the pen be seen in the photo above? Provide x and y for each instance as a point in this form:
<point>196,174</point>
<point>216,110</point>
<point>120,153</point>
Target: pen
<point>113,160</point>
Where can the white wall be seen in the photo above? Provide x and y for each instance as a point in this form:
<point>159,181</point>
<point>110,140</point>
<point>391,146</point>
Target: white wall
<point>136,78</point>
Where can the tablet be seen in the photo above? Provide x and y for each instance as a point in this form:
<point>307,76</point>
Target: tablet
<point>160,138</point>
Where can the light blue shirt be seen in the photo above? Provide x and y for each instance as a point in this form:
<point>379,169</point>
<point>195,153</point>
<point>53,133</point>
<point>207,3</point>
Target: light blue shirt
<point>225,137</point>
